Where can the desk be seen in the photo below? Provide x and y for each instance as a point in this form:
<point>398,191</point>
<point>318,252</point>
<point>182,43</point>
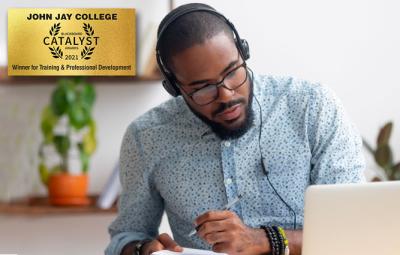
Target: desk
<point>55,234</point>
<point>58,234</point>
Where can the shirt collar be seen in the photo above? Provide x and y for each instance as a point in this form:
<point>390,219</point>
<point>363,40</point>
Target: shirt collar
<point>202,129</point>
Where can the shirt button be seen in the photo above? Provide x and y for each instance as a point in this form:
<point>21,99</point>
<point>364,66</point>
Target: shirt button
<point>228,181</point>
<point>227,143</point>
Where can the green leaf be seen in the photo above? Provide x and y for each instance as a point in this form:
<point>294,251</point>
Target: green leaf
<point>56,169</point>
<point>59,101</point>
<point>87,96</point>
<point>89,143</point>
<point>78,79</point>
<point>85,162</point>
<point>62,144</point>
<point>70,90</point>
<point>383,156</point>
<point>44,173</point>
<point>49,120</point>
<point>64,95</point>
<point>396,171</point>
<point>397,167</point>
<point>80,146</point>
<point>384,134</point>
<point>78,116</point>
<point>368,146</point>
<point>92,127</point>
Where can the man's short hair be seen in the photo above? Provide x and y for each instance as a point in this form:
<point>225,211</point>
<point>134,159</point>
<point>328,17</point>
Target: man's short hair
<point>188,30</point>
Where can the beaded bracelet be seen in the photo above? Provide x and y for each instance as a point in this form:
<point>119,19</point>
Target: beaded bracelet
<point>285,241</point>
<point>273,240</point>
<point>277,240</point>
<point>281,248</point>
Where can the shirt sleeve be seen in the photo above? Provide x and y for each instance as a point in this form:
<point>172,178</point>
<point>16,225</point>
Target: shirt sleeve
<point>335,143</point>
<point>140,206</point>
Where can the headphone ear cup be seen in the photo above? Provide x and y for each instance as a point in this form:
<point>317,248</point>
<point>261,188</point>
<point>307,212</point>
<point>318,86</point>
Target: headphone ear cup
<point>170,88</point>
<point>244,45</point>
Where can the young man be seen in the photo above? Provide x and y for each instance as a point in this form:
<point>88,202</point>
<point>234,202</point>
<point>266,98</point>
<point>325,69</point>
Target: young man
<point>227,134</point>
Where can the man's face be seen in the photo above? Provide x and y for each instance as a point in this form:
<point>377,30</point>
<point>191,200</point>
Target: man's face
<point>209,63</point>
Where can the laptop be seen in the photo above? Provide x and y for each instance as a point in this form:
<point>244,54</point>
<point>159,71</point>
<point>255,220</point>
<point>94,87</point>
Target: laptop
<point>352,219</point>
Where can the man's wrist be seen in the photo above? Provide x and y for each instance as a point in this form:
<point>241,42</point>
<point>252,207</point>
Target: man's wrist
<point>129,248</point>
<point>263,246</point>
<point>278,242</point>
<point>139,246</point>
<point>134,247</point>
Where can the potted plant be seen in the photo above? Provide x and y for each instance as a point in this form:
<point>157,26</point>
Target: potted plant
<point>383,154</point>
<point>68,129</point>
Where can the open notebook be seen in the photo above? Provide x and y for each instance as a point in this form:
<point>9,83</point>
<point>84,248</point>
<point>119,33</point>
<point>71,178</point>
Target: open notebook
<point>188,251</point>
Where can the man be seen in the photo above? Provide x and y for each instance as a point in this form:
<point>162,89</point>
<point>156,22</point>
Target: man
<point>229,134</point>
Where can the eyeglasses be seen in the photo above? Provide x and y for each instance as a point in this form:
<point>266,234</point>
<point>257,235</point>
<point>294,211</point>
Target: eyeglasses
<point>210,92</point>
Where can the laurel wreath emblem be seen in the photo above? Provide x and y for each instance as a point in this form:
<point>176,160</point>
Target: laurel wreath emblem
<point>56,52</point>
<point>87,51</point>
<point>55,29</point>
<point>88,29</point>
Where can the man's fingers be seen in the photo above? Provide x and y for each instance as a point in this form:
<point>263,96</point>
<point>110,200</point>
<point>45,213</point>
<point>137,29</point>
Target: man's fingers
<point>217,237</point>
<point>213,226</point>
<point>169,243</point>
<point>213,216</point>
<point>163,242</point>
<point>152,246</point>
<point>221,247</point>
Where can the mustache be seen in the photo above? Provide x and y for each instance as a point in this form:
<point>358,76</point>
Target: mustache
<point>223,106</point>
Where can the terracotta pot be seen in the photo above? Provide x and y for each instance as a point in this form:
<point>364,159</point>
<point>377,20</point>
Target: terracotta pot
<point>66,189</point>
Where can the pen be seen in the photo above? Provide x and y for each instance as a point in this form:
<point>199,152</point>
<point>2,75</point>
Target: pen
<point>228,206</point>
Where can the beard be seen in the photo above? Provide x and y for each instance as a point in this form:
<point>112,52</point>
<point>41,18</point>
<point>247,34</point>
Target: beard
<point>223,132</point>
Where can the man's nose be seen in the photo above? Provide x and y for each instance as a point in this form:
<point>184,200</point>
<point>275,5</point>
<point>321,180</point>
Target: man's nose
<point>224,94</point>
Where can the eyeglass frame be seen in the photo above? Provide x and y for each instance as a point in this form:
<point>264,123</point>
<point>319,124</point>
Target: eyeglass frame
<point>217,85</point>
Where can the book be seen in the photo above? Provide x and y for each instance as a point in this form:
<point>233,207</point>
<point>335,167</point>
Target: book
<point>111,190</point>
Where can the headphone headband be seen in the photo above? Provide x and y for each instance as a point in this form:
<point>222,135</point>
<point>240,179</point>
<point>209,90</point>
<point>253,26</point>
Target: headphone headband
<point>181,11</point>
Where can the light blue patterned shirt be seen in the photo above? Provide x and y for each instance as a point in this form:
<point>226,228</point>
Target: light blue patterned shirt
<point>170,160</point>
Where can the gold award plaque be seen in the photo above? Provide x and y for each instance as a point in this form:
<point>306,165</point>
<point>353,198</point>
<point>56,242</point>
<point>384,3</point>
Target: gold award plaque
<point>71,42</point>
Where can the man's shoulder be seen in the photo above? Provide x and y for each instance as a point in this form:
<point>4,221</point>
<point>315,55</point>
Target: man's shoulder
<point>163,115</point>
<point>289,85</point>
<point>297,92</point>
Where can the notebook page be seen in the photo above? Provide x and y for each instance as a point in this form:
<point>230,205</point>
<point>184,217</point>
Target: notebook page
<point>188,251</point>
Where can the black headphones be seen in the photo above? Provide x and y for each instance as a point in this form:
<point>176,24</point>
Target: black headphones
<point>169,82</point>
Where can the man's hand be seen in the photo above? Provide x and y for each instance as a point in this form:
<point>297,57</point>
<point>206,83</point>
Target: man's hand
<point>162,242</point>
<point>225,231</point>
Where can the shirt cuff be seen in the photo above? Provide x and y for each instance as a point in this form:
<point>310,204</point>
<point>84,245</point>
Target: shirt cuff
<point>119,240</point>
